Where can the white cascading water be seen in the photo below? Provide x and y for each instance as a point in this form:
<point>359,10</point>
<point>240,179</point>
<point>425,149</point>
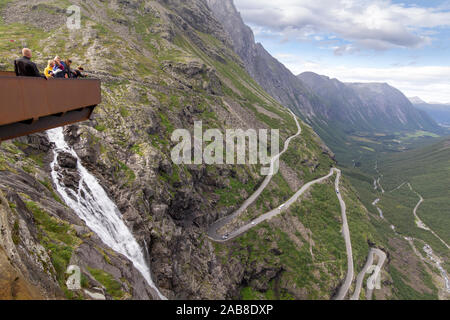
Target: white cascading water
<point>100,213</point>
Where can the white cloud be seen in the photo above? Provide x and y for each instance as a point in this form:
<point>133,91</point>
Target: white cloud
<point>374,24</point>
<point>428,82</point>
<point>341,50</point>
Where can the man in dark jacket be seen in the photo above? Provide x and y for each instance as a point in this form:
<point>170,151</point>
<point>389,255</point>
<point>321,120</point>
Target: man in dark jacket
<point>24,67</point>
<point>77,73</point>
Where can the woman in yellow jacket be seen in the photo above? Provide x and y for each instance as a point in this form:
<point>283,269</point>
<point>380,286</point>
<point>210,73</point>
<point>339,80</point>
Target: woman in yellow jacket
<point>48,72</point>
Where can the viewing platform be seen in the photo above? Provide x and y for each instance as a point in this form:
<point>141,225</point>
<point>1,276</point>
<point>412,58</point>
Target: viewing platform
<point>29,105</point>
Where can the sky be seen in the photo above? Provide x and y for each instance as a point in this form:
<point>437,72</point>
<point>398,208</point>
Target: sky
<point>403,43</point>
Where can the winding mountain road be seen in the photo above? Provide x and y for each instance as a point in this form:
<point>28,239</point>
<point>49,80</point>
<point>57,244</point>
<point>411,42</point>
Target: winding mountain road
<point>213,229</point>
<point>343,290</point>
<point>420,224</point>
<point>214,235</point>
<point>369,263</point>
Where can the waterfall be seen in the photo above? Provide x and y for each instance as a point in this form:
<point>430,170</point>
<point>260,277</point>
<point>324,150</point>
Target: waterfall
<point>100,213</point>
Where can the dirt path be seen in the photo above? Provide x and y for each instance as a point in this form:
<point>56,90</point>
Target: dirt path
<point>420,224</point>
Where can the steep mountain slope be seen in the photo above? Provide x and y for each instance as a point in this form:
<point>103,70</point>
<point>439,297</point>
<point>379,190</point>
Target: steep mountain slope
<point>364,118</point>
<point>273,76</point>
<point>335,111</point>
<point>367,106</point>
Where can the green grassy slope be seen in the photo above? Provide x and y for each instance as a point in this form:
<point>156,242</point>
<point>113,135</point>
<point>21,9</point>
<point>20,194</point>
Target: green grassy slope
<point>428,171</point>
<point>308,261</point>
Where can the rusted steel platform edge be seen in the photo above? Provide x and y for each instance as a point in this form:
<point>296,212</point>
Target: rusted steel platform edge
<point>15,130</point>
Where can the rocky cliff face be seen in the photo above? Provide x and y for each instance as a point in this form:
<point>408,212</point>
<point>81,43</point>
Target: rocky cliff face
<point>273,76</point>
<point>41,236</point>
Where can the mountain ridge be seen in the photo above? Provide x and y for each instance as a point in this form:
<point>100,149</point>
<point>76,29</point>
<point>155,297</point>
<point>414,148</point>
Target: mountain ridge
<point>440,112</point>
<point>369,115</point>
<point>376,106</point>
